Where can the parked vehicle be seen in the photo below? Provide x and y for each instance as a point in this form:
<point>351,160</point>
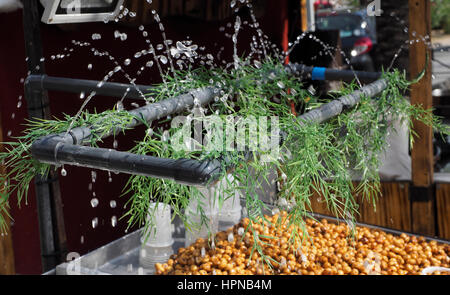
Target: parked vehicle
<point>357,31</point>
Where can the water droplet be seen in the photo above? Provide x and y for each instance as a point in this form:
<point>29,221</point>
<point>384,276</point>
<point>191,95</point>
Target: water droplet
<point>149,64</point>
<point>19,104</point>
<point>257,64</point>
<point>94,202</point>
<point>115,143</point>
<point>118,34</point>
<point>82,94</point>
<point>165,136</point>
<point>114,221</point>
<point>203,252</point>
<point>150,132</point>
<point>89,67</point>
<point>93,176</point>
<point>127,62</point>
<point>163,59</point>
<point>281,84</point>
<point>123,37</point>
<point>96,36</point>
<point>119,106</point>
<point>312,90</point>
<point>63,172</point>
<point>82,240</point>
<point>94,222</point>
<point>113,204</point>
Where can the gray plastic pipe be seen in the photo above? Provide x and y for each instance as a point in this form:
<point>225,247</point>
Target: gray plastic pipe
<point>187,171</point>
<point>147,113</point>
<point>336,106</point>
<point>67,148</point>
<point>44,82</point>
<point>59,149</point>
<point>326,74</point>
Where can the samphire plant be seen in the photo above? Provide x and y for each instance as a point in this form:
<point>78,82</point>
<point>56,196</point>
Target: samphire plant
<point>313,157</point>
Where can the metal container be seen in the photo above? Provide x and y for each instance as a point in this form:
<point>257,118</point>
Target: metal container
<point>122,257</point>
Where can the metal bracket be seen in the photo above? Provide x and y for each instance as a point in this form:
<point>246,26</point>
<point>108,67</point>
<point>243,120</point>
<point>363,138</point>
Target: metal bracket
<point>421,194</point>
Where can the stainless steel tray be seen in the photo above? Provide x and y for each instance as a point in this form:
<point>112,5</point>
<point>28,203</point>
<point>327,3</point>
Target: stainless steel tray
<point>122,256</point>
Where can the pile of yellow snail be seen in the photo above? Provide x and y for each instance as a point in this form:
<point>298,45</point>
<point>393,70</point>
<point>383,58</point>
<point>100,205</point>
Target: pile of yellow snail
<point>329,250</point>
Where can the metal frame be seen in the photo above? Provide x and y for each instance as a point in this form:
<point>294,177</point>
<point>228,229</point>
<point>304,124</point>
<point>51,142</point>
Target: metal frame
<point>52,234</point>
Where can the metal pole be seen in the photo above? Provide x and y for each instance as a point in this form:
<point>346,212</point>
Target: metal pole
<point>52,238</point>
<point>44,82</point>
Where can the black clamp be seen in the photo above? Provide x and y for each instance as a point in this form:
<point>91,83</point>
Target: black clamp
<point>421,194</point>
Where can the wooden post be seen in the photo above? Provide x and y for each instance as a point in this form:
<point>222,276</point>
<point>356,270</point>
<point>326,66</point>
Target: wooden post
<point>422,194</point>
<point>304,15</point>
<point>6,245</point>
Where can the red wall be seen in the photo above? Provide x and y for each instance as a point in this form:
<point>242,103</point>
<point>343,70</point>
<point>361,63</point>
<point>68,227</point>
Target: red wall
<point>74,187</point>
